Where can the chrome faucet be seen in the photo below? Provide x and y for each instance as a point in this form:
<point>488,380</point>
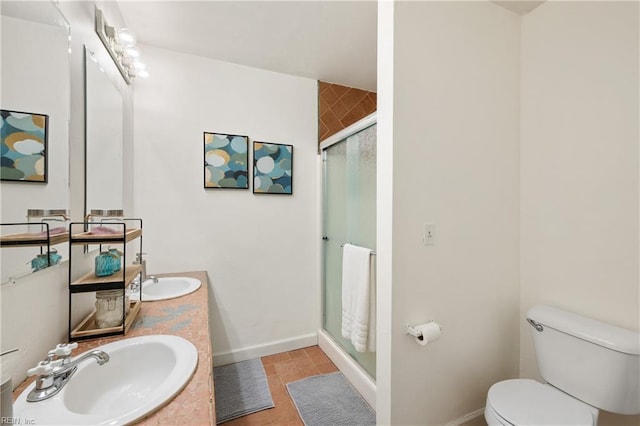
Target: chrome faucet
<point>141,261</point>
<point>101,358</point>
<point>136,285</point>
<point>56,370</point>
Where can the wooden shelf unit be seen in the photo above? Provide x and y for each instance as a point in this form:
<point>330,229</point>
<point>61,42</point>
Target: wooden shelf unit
<point>88,328</point>
<point>89,282</point>
<point>89,238</point>
<point>27,239</point>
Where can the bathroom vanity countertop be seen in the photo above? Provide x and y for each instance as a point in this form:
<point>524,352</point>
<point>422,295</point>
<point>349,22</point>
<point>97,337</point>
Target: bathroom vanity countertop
<point>187,317</point>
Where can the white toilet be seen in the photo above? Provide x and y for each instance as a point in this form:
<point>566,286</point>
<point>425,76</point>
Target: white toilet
<point>588,365</point>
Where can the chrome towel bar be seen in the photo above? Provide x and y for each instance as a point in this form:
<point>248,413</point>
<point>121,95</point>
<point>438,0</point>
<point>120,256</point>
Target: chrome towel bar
<point>372,252</point>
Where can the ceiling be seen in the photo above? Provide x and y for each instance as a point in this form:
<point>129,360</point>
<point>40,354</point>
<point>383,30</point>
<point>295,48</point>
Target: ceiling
<point>333,41</point>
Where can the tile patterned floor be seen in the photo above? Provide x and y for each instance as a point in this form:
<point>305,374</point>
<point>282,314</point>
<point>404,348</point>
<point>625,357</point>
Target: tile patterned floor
<point>281,369</point>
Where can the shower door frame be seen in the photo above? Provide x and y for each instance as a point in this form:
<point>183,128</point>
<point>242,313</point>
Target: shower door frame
<point>341,136</point>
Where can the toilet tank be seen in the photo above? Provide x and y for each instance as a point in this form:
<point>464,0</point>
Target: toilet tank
<point>593,361</point>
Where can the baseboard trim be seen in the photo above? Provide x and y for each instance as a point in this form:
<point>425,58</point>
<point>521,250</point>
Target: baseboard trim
<point>257,351</point>
<point>467,418</point>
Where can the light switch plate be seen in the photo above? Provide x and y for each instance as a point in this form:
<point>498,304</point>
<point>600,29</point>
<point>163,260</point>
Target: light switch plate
<point>429,234</point>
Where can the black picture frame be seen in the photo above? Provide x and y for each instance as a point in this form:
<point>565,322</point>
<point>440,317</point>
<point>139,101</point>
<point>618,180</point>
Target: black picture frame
<point>226,161</point>
<point>272,168</point>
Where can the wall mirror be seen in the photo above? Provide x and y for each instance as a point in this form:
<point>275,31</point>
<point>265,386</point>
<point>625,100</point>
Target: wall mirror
<point>35,85</point>
<point>104,114</point>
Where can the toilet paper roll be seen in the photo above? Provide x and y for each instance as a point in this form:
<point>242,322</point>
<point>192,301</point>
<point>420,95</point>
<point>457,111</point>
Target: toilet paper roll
<point>431,332</point>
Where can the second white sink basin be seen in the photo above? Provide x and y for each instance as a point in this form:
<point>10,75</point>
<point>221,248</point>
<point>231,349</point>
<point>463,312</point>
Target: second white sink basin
<point>167,288</point>
<point>143,374</point>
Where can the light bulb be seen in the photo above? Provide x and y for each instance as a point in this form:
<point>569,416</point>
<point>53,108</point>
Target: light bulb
<point>139,65</point>
<point>143,73</point>
<point>132,52</point>
<point>127,37</point>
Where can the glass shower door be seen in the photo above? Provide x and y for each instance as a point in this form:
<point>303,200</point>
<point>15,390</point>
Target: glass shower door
<point>349,216</point>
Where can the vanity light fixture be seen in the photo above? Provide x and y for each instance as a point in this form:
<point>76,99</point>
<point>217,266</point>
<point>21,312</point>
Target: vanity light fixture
<point>121,45</point>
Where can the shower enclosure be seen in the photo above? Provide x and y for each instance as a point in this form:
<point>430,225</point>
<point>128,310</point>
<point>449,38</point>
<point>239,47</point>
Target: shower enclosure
<point>349,216</point>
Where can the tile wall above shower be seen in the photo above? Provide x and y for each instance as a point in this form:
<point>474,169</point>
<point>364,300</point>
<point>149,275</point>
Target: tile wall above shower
<point>341,106</point>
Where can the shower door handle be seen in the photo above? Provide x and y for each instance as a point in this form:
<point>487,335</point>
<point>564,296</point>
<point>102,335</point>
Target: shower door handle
<point>325,238</point>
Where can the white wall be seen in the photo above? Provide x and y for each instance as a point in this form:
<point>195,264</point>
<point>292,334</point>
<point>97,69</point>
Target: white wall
<point>260,251</point>
<point>384,211</point>
<point>579,165</point>
<point>455,163</point>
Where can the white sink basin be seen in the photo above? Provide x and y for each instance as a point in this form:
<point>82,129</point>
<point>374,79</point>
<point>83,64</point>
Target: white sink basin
<point>167,288</point>
<point>143,374</point>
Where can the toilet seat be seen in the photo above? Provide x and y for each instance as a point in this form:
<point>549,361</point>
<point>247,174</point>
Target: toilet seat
<point>493,419</point>
<point>527,402</point>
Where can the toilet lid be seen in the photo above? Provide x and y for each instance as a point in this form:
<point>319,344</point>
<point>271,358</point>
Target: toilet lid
<point>527,402</point>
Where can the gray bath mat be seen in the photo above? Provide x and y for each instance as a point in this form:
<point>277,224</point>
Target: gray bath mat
<point>241,388</point>
<point>329,400</point>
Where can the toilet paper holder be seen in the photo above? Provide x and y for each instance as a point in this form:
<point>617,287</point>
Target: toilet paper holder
<point>418,334</point>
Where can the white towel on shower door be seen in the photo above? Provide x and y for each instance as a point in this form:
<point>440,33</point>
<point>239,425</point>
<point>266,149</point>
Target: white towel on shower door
<point>358,309</point>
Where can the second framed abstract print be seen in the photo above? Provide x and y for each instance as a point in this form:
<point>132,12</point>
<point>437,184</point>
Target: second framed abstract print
<point>272,168</point>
